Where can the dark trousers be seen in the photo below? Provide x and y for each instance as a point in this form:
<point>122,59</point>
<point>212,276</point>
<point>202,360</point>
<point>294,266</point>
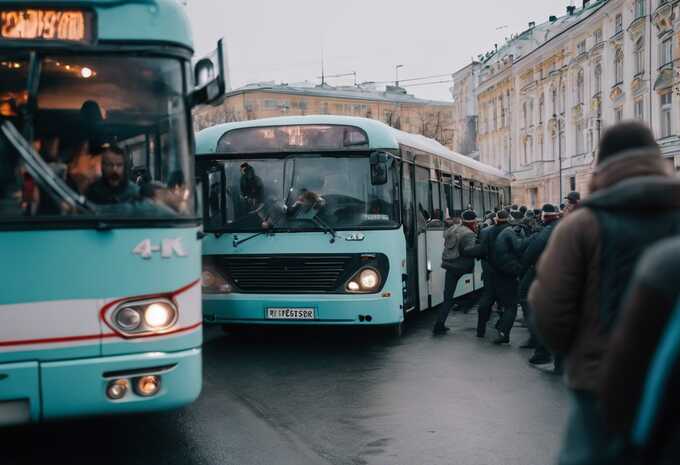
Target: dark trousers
<point>485,303</point>
<point>450,284</point>
<point>508,297</point>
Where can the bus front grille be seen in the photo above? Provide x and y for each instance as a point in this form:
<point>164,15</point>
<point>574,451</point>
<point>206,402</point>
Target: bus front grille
<point>288,274</point>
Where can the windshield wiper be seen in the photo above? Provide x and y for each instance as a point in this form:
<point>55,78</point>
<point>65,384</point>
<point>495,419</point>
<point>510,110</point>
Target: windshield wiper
<point>236,242</point>
<point>40,170</point>
<point>327,229</point>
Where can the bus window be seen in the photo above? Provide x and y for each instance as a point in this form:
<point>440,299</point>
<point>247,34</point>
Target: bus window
<point>407,200</point>
<point>487,198</point>
<point>467,197</point>
<point>437,212</point>
<point>458,194</point>
<point>423,196</point>
<point>477,198</point>
<point>447,195</point>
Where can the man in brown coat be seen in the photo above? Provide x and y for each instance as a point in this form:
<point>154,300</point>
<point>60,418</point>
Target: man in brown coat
<point>588,263</point>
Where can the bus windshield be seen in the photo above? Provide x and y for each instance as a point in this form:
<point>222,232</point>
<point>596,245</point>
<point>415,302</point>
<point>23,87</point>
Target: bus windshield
<point>112,129</point>
<point>300,192</point>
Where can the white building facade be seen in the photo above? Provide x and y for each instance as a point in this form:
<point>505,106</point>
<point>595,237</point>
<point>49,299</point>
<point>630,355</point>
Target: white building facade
<point>546,96</point>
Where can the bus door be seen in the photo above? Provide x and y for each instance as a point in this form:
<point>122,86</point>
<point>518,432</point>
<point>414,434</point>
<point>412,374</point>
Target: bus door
<point>423,218</point>
<point>435,243</point>
<point>410,231</point>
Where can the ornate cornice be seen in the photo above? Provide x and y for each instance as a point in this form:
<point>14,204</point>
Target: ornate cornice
<point>616,93</point>
<point>637,27</point>
<point>663,17</point>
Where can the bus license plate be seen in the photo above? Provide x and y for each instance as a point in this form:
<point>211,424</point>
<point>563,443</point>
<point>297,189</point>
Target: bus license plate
<point>287,313</point>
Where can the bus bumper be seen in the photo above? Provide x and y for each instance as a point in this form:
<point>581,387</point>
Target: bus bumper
<point>329,309</point>
<point>34,391</point>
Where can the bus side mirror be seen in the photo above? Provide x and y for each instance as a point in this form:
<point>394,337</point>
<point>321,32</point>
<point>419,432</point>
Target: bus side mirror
<point>209,75</point>
<point>378,162</point>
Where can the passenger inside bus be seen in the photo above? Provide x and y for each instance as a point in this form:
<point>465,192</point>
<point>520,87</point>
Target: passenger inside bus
<point>114,185</point>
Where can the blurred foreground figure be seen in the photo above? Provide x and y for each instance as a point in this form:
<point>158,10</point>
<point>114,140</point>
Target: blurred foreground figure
<point>640,392</point>
<point>587,266</point>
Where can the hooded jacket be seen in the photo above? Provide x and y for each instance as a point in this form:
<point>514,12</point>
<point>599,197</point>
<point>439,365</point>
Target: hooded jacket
<point>634,200</point>
<point>458,241</point>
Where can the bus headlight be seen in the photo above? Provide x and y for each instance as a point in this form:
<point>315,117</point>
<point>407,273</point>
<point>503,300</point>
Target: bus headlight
<point>145,317</point>
<point>128,319</point>
<point>213,282</point>
<point>365,280</point>
<point>158,315</point>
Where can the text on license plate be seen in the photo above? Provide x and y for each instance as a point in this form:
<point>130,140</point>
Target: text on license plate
<point>284,313</point>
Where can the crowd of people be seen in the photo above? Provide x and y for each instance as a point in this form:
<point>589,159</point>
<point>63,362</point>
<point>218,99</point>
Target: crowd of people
<point>595,279</point>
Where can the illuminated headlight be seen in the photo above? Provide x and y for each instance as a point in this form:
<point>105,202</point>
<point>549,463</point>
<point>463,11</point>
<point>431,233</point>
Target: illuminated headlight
<point>145,317</point>
<point>158,315</point>
<point>116,389</point>
<point>147,386</point>
<point>367,280</point>
<point>214,283</point>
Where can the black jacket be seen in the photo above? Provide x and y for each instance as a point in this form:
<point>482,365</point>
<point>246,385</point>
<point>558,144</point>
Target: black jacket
<point>535,246</point>
<point>509,248</point>
<point>101,193</point>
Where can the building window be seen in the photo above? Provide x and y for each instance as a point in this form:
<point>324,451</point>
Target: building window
<point>540,147</point>
<point>666,114</point>
<point>639,56</point>
<point>581,47</point>
<point>640,8</point>
<point>563,98</point>
<point>271,104</point>
<point>618,23</point>
<point>531,112</point>
<point>598,36</point>
<point>618,114</point>
<point>553,147</point>
<point>502,111</point>
<point>572,183</point>
<point>666,51</point>
<point>541,108</point>
<point>597,84</point>
<point>618,67</point>
<point>580,87</point>
<point>578,139</point>
<point>525,154</point>
<point>554,101</point>
<point>640,109</point>
<point>524,114</point>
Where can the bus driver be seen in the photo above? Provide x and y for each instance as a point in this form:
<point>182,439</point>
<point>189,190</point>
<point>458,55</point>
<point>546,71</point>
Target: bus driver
<point>114,186</point>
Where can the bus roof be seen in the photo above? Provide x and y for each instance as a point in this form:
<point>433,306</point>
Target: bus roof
<point>159,21</point>
<point>380,136</point>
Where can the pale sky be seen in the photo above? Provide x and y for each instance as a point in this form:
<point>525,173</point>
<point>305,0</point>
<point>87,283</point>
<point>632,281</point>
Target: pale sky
<point>282,40</point>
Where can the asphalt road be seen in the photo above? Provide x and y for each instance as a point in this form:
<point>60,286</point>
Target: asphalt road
<point>332,396</point>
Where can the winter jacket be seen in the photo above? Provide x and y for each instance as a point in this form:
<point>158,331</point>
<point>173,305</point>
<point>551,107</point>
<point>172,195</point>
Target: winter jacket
<point>509,248</point>
<point>572,304</point>
<point>458,240</point>
<point>536,244</point>
<point>650,302</point>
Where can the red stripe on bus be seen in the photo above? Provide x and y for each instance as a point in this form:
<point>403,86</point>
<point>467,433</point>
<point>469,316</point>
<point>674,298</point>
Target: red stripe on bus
<point>89,337</point>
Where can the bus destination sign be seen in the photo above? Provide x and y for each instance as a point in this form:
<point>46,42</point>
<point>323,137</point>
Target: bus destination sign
<point>46,24</point>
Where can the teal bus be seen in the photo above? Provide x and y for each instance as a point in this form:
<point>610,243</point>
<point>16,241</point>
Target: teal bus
<point>100,303</point>
<point>330,220</point>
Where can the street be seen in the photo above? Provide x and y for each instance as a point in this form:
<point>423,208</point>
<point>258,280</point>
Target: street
<point>333,396</point>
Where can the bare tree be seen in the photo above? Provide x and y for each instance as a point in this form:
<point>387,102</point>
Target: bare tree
<point>437,125</point>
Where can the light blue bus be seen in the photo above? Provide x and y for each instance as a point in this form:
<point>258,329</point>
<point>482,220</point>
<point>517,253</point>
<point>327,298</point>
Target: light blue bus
<point>330,220</point>
<point>100,302</point>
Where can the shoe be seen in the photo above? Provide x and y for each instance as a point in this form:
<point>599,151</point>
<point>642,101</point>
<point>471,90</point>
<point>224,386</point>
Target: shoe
<point>540,359</point>
<point>559,367</point>
<point>437,330</point>
<point>481,334</point>
<point>528,344</point>
<point>502,338</point>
